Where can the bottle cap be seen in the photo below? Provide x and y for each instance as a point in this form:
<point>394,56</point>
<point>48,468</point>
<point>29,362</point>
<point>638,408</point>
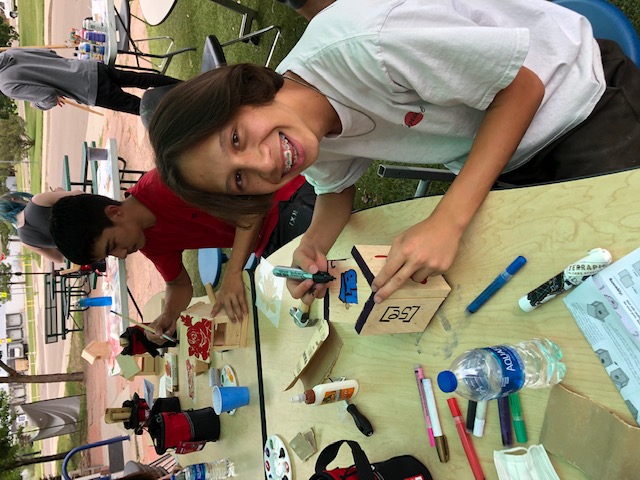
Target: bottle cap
<point>299,398</point>
<point>447,381</point>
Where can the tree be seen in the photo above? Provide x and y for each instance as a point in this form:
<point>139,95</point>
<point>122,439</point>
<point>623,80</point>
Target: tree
<point>6,231</point>
<point>5,281</point>
<point>9,449</point>
<point>18,462</point>
<point>17,377</point>
<point>7,34</point>
<point>7,107</point>
<point>14,141</point>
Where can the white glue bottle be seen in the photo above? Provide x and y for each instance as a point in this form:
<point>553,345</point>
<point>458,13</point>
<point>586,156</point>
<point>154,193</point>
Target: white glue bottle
<point>328,393</point>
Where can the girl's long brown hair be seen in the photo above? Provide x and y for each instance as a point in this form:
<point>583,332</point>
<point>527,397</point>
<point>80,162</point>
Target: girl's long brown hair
<point>192,112</point>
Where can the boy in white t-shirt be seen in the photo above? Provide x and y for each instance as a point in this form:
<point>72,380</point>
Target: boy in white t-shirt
<point>517,90</point>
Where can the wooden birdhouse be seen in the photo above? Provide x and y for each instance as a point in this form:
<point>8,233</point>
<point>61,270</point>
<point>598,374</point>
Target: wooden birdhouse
<point>201,333</point>
<point>350,298</point>
<point>96,351</point>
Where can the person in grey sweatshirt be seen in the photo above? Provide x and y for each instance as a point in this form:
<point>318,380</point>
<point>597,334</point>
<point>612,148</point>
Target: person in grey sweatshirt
<point>45,79</point>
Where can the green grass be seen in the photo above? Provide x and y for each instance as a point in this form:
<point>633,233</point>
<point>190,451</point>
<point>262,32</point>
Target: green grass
<point>31,30</point>
<point>192,20</point>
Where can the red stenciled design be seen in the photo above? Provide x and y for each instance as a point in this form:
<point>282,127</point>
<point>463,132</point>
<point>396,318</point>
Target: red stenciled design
<point>198,336</point>
<point>191,379</point>
<point>411,119</point>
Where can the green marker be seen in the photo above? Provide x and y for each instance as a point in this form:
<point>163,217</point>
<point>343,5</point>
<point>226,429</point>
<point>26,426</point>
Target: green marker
<point>298,274</point>
<point>518,419</point>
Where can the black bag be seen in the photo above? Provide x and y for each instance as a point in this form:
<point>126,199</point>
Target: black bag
<point>403,467</point>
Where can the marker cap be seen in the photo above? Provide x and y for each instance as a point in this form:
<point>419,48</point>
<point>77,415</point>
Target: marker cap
<point>525,304</point>
<point>516,265</point>
<point>442,447</point>
<point>447,381</point>
<point>478,427</point>
<point>453,406</point>
<point>299,398</point>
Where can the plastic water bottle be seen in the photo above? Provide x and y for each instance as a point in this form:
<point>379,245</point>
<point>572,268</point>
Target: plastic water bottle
<point>218,470</point>
<point>492,372</point>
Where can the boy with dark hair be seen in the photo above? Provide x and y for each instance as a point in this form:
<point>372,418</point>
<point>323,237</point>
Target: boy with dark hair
<point>85,233</point>
<point>155,221</point>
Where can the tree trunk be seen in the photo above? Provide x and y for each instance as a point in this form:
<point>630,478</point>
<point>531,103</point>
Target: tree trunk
<point>22,462</point>
<point>48,378</point>
<point>15,377</point>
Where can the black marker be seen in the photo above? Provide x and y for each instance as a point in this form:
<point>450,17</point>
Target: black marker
<point>298,274</point>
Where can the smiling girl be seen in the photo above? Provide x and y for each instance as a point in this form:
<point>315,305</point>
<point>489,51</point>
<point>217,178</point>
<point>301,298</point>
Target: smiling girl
<point>515,90</point>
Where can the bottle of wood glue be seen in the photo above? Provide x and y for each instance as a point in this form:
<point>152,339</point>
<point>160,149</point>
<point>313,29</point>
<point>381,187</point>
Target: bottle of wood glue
<point>328,393</point>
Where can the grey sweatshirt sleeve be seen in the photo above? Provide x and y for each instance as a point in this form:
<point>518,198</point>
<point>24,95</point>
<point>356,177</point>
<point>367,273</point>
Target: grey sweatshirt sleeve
<point>47,97</point>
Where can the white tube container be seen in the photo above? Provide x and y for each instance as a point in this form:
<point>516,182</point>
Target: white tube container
<point>328,393</point>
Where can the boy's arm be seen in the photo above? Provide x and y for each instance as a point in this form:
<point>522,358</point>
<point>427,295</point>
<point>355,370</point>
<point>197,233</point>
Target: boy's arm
<point>178,294</point>
<point>47,199</point>
<point>330,215</point>
<point>231,294</point>
<point>429,247</point>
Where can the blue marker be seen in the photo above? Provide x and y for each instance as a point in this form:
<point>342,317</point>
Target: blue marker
<point>500,280</point>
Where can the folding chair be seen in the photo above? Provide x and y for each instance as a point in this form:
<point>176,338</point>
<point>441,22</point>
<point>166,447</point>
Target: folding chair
<point>608,22</point>
<point>212,57</point>
<point>128,46</point>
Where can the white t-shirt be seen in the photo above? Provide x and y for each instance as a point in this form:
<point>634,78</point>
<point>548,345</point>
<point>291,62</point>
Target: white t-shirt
<point>410,79</point>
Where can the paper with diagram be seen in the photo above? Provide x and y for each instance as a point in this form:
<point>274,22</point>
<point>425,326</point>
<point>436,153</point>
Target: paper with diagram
<point>606,307</point>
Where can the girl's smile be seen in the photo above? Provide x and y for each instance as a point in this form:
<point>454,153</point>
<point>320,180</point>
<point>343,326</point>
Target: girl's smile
<point>258,152</point>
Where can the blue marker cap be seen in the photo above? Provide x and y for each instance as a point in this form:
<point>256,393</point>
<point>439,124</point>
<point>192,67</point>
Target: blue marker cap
<point>516,265</point>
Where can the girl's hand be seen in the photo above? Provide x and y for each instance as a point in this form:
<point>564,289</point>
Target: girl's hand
<point>427,248</point>
<point>310,259</point>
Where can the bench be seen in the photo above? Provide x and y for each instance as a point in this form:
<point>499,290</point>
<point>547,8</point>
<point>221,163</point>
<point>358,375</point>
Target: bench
<point>61,293</point>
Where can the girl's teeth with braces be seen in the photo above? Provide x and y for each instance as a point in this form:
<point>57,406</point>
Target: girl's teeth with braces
<point>289,153</point>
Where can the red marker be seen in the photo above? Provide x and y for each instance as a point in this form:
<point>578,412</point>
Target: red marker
<point>466,441</point>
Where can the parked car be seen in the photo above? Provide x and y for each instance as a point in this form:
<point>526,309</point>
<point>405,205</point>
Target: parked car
<point>9,8</point>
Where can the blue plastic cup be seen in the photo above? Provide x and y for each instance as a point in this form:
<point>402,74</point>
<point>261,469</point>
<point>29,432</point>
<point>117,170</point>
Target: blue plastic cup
<point>226,399</point>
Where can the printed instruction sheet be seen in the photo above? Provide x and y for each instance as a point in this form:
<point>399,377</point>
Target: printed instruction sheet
<point>606,307</point>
